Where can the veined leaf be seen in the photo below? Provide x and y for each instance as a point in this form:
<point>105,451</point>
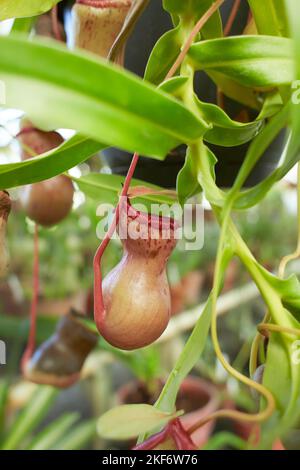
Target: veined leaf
<point>79,91</point>
<point>21,8</point>
<point>72,152</point>
<point>254,61</point>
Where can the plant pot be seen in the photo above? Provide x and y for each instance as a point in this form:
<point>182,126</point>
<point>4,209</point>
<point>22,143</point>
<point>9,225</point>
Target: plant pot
<point>152,24</point>
<point>196,396</point>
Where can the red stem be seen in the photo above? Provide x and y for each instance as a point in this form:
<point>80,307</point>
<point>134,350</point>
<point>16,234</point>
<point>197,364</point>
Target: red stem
<point>182,440</point>
<point>173,430</point>
<point>34,303</point>
<point>99,309</point>
<point>153,441</point>
<point>232,16</point>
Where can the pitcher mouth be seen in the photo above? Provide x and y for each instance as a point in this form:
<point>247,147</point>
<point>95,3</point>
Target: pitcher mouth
<point>159,222</point>
<point>105,3</point>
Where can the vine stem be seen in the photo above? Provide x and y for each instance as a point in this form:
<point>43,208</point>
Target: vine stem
<point>227,29</point>
<point>264,328</point>
<point>34,303</point>
<point>99,310</point>
<point>232,17</point>
<point>232,414</point>
<point>214,7</point>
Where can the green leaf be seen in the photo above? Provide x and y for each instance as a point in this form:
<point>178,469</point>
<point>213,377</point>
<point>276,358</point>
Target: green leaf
<point>128,421</point>
<point>21,8</point>
<point>46,439</point>
<point>192,10</point>
<point>186,361</point>
<point>30,417</point>
<point>234,90</point>
<point>259,145</point>
<point>187,179</point>
<point>273,104</point>
<point>104,103</point>
<point>252,196</point>
<point>255,61</point>
<point>213,28</point>
<point>106,188</point>
<point>168,47</point>
<point>163,56</point>
<point>193,348</point>
<point>4,389</point>
<point>282,378</point>
<point>23,25</point>
<point>174,86</point>
<point>212,192</point>
<point>72,152</point>
<point>288,289</point>
<point>277,379</point>
<point>275,22</point>
<point>226,132</point>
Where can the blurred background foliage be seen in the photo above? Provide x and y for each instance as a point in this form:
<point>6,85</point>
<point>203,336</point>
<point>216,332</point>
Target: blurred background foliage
<point>67,419</point>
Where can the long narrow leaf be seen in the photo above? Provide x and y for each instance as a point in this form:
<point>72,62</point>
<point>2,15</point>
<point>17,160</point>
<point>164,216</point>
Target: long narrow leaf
<point>72,152</point>
<point>21,8</point>
<point>54,432</point>
<point>78,437</point>
<point>254,61</point>
<point>30,417</point>
<point>77,90</point>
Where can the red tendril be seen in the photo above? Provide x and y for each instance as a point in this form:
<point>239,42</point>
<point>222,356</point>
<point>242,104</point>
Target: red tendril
<point>232,16</point>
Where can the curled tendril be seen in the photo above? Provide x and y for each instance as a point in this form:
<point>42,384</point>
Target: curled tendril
<point>265,328</point>
<point>281,273</point>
